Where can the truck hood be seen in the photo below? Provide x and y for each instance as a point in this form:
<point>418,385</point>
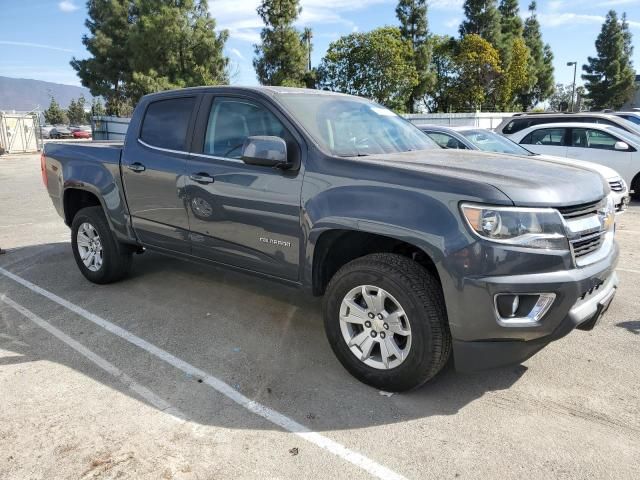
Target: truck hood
<point>526,181</point>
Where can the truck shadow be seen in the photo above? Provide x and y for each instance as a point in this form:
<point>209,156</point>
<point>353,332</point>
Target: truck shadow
<point>264,339</point>
<point>632,326</point>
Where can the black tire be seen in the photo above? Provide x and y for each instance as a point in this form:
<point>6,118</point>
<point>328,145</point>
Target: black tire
<point>419,294</point>
<point>635,186</point>
<point>116,258</point>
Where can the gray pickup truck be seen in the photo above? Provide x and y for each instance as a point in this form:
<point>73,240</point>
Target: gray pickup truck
<point>420,253</point>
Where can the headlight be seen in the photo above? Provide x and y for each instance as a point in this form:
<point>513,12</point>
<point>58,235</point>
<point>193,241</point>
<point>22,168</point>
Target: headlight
<point>608,214</point>
<point>524,227</point>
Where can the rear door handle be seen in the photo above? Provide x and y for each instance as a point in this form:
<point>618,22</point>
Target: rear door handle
<point>201,178</point>
<point>136,167</point>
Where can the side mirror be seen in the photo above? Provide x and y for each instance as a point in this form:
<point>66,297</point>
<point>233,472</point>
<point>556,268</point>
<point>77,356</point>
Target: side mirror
<point>266,151</point>
<point>621,146</point>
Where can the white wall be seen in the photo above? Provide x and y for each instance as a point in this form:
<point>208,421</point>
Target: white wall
<point>479,119</point>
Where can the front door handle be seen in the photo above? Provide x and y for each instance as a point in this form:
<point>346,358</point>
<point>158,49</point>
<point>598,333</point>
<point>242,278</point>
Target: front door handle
<point>136,167</point>
<point>201,178</point>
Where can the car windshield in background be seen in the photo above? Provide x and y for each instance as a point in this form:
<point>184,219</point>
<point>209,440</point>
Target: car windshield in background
<point>349,126</point>
<point>492,142</point>
<point>631,118</point>
<point>629,126</point>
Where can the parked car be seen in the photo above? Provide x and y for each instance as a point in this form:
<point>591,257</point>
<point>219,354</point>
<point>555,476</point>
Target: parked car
<point>419,252</point>
<point>81,132</point>
<point>520,121</point>
<point>473,138</point>
<point>60,131</point>
<point>597,143</point>
<point>45,130</point>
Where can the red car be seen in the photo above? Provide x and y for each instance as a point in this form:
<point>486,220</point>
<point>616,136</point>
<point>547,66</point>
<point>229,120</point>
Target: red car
<point>81,134</point>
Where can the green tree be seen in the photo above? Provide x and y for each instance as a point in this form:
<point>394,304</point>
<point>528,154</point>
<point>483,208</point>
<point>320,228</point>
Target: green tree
<point>478,74</point>
<point>414,28</point>
<point>561,97</point>
<point>540,63</point>
<point>483,18</point>
<point>282,56</point>
<point>511,28</point>
<point>311,75</point>
<point>76,111</point>
<point>377,65</point>
<point>174,44</point>
<point>609,77</point>
<point>515,78</point>
<point>440,95</point>
<point>107,72</point>
<point>54,115</point>
<point>97,108</point>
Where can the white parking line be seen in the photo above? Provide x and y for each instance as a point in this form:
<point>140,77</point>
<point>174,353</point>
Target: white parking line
<point>286,423</point>
<point>105,365</point>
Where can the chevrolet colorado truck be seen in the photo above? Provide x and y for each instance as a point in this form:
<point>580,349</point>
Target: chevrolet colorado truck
<point>421,253</point>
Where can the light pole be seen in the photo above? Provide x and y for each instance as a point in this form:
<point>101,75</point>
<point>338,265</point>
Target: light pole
<point>573,90</point>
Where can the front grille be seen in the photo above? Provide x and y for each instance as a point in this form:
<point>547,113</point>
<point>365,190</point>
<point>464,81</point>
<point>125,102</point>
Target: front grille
<point>577,211</point>
<point>587,244</point>
<point>616,186</point>
<point>583,242</point>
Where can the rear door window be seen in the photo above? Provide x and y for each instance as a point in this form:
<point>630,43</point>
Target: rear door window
<point>516,125</point>
<point>166,123</point>
<point>553,137</point>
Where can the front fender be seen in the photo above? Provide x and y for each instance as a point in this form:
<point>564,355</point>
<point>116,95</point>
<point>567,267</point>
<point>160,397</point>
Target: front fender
<point>416,217</point>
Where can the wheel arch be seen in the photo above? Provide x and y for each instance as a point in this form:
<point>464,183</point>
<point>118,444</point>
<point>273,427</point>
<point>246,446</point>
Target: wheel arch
<point>334,247</point>
<point>75,199</point>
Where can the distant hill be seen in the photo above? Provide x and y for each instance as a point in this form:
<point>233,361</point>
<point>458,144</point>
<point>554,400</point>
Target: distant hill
<point>22,94</point>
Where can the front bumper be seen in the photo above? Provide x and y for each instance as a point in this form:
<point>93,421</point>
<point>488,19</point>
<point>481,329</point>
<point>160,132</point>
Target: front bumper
<point>582,297</point>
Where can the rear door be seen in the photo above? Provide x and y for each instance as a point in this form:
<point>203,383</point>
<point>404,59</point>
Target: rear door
<point>244,215</point>
<point>153,171</point>
<point>547,141</point>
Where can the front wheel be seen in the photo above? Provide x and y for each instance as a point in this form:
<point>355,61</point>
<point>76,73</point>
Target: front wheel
<point>99,256</point>
<point>385,319</point>
<point>635,186</point>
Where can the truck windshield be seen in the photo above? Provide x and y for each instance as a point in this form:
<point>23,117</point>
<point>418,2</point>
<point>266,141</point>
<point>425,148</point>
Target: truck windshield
<point>350,126</point>
<point>492,142</point>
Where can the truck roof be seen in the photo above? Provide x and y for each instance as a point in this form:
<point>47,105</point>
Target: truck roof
<point>265,90</point>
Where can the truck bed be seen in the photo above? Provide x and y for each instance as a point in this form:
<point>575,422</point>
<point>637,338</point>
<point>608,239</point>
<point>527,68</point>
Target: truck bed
<point>102,152</point>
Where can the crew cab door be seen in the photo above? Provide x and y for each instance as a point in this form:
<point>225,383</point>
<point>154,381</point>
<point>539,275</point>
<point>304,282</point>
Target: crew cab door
<point>153,171</point>
<point>244,215</point>
<point>547,141</point>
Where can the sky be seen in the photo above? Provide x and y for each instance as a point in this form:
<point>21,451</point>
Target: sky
<point>38,38</point>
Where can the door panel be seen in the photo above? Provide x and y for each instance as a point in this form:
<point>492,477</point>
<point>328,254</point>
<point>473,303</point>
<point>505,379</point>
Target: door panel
<point>249,216</point>
<point>153,172</point>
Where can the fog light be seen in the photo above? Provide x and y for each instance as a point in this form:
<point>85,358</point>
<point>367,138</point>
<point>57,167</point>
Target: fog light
<point>522,309</point>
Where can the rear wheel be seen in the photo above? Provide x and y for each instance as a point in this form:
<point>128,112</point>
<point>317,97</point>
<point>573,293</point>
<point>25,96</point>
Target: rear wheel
<point>385,319</point>
<point>99,256</point>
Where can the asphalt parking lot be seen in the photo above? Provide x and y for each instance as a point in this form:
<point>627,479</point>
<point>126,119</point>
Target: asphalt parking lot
<point>190,372</point>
